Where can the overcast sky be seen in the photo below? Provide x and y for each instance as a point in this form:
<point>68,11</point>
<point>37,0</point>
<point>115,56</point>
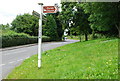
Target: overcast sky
<point>9,9</point>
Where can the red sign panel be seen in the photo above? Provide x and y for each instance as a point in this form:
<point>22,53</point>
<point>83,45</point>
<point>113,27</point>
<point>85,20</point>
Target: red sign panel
<point>49,9</point>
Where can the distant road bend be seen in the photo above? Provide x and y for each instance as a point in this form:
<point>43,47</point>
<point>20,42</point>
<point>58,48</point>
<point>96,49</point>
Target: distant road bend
<point>14,57</point>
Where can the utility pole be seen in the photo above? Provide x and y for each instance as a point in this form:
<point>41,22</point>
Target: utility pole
<point>40,36</point>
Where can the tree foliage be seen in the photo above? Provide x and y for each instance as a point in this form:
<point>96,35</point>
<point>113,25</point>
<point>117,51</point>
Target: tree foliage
<point>50,28</point>
<point>81,22</point>
<point>5,27</point>
<point>101,17</point>
<point>66,14</point>
<point>25,23</point>
<point>60,29</point>
<point>72,12</point>
<point>104,17</point>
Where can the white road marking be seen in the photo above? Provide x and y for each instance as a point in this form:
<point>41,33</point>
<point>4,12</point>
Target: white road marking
<point>15,61</point>
<point>11,62</point>
<point>14,52</point>
<point>20,60</point>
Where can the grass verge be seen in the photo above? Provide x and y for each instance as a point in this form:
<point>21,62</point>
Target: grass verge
<point>94,59</point>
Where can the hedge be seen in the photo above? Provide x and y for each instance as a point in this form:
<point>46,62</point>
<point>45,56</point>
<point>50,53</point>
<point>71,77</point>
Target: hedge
<point>20,39</point>
<point>46,39</point>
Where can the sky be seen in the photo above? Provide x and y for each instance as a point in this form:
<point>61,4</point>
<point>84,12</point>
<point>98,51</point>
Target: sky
<point>9,9</point>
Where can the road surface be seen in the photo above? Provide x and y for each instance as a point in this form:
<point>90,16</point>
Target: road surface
<point>12,57</point>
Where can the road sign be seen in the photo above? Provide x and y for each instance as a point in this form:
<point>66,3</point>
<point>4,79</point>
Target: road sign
<point>50,9</point>
<point>36,14</point>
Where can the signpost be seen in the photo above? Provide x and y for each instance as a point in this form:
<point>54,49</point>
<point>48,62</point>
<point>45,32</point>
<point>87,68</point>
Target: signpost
<point>45,9</point>
<point>36,14</point>
<point>50,9</point>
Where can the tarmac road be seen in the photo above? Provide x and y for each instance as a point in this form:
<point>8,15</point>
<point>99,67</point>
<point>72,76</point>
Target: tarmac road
<point>14,56</point>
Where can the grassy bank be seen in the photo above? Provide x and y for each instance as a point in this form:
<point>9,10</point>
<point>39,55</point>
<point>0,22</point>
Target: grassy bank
<point>94,59</point>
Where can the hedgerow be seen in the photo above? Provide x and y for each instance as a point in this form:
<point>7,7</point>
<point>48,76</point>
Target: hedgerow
<point>12,38</point>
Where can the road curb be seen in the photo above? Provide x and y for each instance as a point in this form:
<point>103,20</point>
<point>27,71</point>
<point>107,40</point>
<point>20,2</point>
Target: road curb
<point>16,47</point>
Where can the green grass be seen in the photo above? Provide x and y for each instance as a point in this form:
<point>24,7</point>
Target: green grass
<point>94,59</point>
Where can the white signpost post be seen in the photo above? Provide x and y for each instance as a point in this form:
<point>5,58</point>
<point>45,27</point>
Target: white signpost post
<point>40,36</point>
<point>45,9</point>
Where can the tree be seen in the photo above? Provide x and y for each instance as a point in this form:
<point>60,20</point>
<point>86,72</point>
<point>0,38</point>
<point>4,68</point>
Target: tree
<point>72,12</point>
<point>66,14</point>
<point>60,29</point>
<point>104,17</point>
<point>81,21</point>
<point>5,27</point>
<point>50,28</point>
<point>26,23</point>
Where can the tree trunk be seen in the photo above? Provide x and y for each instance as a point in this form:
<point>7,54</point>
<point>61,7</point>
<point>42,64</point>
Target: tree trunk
<point>86,37</point>
<point>118,28</point>
<point>93,34</point>
<point>80,38</point>
<point>119,33</point>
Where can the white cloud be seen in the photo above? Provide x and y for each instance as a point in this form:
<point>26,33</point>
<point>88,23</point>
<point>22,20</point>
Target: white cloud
<point>4,19</point>
<point>9,9</point>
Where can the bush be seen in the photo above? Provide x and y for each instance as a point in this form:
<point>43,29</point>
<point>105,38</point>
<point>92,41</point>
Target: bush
<point>96,36</point>
<point>12,38</point>
<point>45,39</point>
<point>17,39</point>
<point>8,41</point>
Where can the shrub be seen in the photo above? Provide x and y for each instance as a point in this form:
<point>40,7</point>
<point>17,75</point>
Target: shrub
<point>17,39</point>
<point>45,39</point>
<point>12,38</point>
